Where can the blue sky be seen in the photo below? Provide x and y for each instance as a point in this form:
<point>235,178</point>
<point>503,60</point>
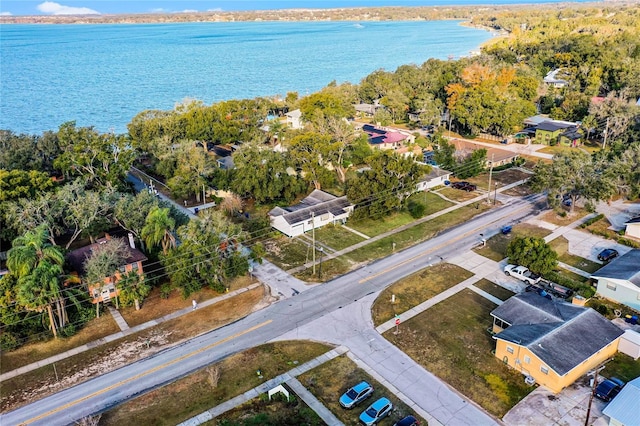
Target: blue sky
<point>62,7</point>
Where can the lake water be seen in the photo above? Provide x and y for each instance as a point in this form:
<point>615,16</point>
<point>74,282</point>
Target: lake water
<point>103,75</point>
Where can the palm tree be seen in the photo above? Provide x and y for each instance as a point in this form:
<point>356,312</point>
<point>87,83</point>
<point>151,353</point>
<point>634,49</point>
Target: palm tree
<point>133,286</point>
<point>38,266</point>
<point>158,229</point>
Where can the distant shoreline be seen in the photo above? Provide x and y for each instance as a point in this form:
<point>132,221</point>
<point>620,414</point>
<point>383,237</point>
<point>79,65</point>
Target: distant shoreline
<point>364,14</point>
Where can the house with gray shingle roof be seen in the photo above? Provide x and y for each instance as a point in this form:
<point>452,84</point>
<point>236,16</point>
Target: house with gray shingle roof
<point>552,341</point>
<point>314,211</point>
<point>619,280</point>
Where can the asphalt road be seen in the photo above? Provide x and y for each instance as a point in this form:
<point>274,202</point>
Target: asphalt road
<point>283,317</point>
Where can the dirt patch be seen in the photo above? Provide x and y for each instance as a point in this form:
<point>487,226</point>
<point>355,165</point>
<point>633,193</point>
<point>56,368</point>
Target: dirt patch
<point>71,371</point>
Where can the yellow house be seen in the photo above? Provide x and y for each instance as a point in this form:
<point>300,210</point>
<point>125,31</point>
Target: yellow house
<point>551,341</point>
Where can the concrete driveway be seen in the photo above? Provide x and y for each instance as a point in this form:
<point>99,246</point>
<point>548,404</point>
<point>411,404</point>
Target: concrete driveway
<point>568,408</point>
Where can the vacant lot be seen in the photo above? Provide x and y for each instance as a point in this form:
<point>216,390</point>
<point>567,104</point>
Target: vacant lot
<point>502,178</point>
<point>372,227</point>
<point>494,289</point>
<point>288,253</point>
<point>213,385</point>
<point>278,411</point>
<point>331,379</point>
<point>496,248</point>
<point>336,237</point>
<point>458,194</point>
<point>451,340</point>
<point>562,216</point>
<point>110,356</point>
<point>415,289</point>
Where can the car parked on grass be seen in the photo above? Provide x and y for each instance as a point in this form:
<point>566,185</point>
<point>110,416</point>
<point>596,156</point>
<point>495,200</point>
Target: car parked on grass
<point>464,185</point>
<point>356,395</point>
<point>607,255</point>
<point>522,273</point>
<point>407,421</point>
<point>609,388</point>
<point>376,412</point>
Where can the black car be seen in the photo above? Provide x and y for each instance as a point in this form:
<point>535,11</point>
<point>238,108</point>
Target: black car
<point>459,185</point>
<point>407,421</point>
<point>609,388</point>
<point>607,255</point>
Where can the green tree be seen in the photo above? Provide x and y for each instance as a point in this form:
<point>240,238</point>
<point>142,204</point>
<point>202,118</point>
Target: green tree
<point>133,289</point>
<point>158,229</point>
<point>326,104</point>
<point>532,252</point>
<point>130,212</point>
<point>312,153</point>
<point>15,184</point>
<point>102,159</point>
<point>37,264</point>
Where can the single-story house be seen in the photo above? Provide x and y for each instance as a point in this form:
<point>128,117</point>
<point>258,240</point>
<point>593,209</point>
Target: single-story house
<point>368,110</point>
<point>624,409</point>
<point>294,119</point>
<point>632,227</point>
<point>619,280</point>
<point>316,210</point>
<point>106,290</point>
<point>435,177</point>
<point>553,79</point>
<point>571,137</point>
<point>499,156</point>
<point>383,138</point>
<point>552,341</point>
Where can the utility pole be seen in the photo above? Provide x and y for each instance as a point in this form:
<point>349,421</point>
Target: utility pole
<point>489,188</point>
<point>593,391</point>
<point>606,133</point>
<point>495,194</point>
<point>204,198</point>
<point>313,238</point>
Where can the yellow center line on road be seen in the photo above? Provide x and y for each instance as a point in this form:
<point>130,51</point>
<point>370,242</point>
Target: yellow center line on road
<point>430,251</point>
<point>146,373</point>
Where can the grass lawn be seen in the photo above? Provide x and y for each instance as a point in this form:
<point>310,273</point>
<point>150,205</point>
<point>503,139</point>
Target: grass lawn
<point>415,289</point>
<point>331,379</point>
<point>502,178</point>
<point>156,307</point>
<point>330,269</point>
<point>278,411</point>
<point>623,367</point>
<point>286,252</point>
<point>373,227</point>
<point>32,352</point>
<point>561,246</point>
<point>110,356</point>
<point>494,289</point>
<point>601,228</point>
<point>450,340</point>
<point>433,203</point>
<point>336,237</point>
<point>496,248</point>
<point>563,217</point>
<point>458,194</point>
<point>572,275</point>
<point>212,385</point>
<point>519,191</point>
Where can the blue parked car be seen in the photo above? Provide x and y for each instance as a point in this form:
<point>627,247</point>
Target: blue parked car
<point>356,395</point>
<point>609,388</point>
<point>376,412</point>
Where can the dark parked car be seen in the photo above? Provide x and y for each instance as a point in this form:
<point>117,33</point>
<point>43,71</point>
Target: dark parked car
<point>407,421</point>
<point>459,185</point>
<point>609,388</point>
<point>356,395</point>
<point>607,254</point>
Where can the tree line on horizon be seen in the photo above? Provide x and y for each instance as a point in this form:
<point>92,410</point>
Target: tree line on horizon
<point>489,93</point>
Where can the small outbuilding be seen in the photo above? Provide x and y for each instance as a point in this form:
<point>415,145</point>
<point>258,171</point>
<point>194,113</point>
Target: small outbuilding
<point>630,344</point>
<point>632,228</point>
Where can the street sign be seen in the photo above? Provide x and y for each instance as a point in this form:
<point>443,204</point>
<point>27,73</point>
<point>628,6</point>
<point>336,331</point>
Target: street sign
<point>397,321</point>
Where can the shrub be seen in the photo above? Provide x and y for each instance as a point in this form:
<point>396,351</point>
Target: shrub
<point>563,281</point>
<point>592,220</point>
<point>165,290</point>
<point>9,341</point>
<point>68,330</point>
<point>416,210</point>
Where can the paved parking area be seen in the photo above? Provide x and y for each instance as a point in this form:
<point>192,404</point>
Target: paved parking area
<point>568,408</point>
<point>587,245</point>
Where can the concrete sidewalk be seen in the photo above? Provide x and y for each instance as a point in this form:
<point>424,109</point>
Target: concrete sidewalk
<point>120,334</point>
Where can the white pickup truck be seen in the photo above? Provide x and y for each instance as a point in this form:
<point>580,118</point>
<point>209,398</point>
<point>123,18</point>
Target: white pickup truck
<point>522,273</point>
